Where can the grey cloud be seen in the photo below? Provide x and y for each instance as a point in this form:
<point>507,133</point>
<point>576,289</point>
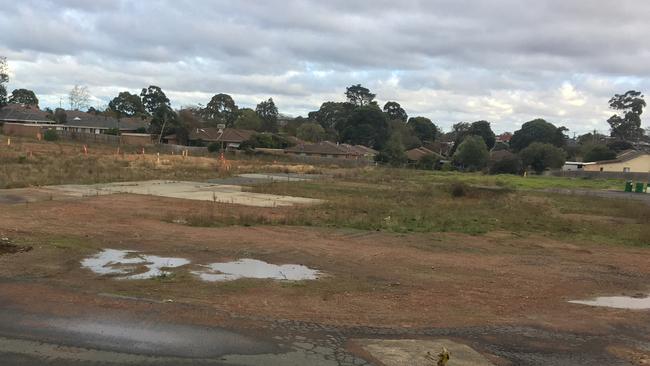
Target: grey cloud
<point>448,59</point>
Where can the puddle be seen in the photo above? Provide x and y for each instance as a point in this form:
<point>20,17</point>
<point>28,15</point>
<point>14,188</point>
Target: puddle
<point>129,264</point>
<point>120,262</point>
<point>252,268</point>
<point>618,302</point>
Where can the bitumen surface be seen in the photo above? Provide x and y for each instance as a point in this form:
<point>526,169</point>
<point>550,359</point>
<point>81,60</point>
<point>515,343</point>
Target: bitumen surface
<point>113,339</point>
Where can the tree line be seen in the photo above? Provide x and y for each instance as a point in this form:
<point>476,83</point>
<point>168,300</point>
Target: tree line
<point>361,120</point>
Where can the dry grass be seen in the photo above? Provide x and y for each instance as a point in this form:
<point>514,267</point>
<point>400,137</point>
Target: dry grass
<point>31,163</point>
<point>406,205</point>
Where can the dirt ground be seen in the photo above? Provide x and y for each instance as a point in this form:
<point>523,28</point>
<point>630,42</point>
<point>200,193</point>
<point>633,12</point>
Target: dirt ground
<point>373,279</point>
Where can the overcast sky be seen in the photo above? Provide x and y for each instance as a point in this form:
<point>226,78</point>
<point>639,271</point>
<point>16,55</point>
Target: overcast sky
<point>505,61</point>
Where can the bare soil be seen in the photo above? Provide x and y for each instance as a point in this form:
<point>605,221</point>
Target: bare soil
<point>373,278</point>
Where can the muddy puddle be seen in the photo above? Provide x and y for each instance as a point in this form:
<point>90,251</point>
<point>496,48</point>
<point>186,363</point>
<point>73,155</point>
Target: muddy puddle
<point>640,302</point>
<point>253,268</point>
<point>130,263</point>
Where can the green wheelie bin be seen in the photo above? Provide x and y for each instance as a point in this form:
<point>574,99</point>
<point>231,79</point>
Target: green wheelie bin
<point>628,186</point>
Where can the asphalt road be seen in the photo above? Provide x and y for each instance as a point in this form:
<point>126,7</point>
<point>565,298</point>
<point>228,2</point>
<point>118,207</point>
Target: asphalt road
<point>109,339</point>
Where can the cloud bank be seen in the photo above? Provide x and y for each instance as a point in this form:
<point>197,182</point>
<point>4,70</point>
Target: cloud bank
<point>506,61</point>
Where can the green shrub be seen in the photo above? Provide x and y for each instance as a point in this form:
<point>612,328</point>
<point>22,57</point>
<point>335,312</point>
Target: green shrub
<point>504,162</point>
<point>458,189</point>
<point>428,162</point>
<point>472,154</point>
<point>214,147</point>
<point>540,156</point>
<point>598,153</point>
<point>50,135</point>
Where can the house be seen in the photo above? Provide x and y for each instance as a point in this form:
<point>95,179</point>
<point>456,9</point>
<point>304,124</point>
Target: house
<point>83,122</point>
<point>24,114</point>
<point>504,137</point>
<point>362,151</point>
<point>415,155</point>
<point>230,137</point>
<point>20,120</point>
<point>630,161</point>
<point>328,149</point>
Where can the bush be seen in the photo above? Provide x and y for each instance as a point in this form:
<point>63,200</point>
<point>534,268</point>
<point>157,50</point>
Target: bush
<point>266,140</point>
<point>428,162</point>
<point>504,162</point>
<point>214,147</point>
<point>447,167</point>
<point>312,132</point>
<point>540,156</point>
<point>458,189</point>
<point>598,153</point>
<point>619,145</point>
<point>393,153</point>
<point>50,135</point>
<point>472,154</point>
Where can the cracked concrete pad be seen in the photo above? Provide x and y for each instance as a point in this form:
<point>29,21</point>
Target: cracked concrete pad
<point>186,190</point>
<point>412,352</point>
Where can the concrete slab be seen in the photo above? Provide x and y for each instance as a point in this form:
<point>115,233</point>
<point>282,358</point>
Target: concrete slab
<point>34,194</point>
<point>261,178</point>
<point>275,177</point>
<point>184,190</point>
<point>412,352</point>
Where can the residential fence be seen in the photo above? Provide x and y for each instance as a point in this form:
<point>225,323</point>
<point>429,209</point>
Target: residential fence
<point>341,162</point>
<point>178,149</point>
<point>115,140</point>
<point>645,177</point>
<point>89,137</point>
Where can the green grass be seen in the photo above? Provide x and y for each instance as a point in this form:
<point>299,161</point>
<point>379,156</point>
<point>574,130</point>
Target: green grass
<point>405,203</point>
<point>504,180</point>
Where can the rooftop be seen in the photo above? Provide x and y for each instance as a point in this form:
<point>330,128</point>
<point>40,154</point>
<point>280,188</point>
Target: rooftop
<point>24,114</point>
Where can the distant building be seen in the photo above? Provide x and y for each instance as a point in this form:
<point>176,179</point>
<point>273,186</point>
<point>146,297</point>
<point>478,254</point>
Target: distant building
<point>630,161</point>
<point>230,137</point>
<point>28,121</point>
<point>83,122</point>
<point>328,149</point>
<point>415,155</point>
<point>504,137</point>
<point>18,113</point>
<point>573,166</point>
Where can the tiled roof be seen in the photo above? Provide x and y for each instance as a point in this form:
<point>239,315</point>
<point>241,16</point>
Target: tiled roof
<point>321,148</point>
<point>331,148</point>
<point>626,155</point>
<point>418,153</point>
<point>21,113</point>
<point>83,119</point>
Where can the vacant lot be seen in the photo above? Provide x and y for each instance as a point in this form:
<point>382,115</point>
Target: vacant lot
<point>398,248</point>
<point>29,163</point>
